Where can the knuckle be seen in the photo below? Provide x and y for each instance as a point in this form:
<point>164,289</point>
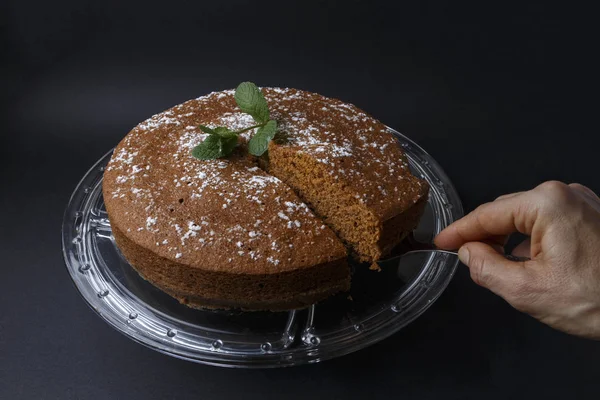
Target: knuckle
<point>502,196</point>
<point>507,196</point>
<point>525,216</point>
<point>480,208</point>
<point>554,194</point>
<point>553,187</point>
<point>483,218</point>
<point>583,189</point>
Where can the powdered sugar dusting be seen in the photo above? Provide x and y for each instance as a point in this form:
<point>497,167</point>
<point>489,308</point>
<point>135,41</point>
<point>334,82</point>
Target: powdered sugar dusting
<point>332,132</point>
<point>245,213</point>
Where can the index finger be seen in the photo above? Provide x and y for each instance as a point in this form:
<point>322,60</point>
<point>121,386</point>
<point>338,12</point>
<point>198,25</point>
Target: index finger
<point>501,217</point>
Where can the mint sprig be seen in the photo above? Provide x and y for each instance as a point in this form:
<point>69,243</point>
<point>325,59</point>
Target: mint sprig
<point>221,141</point>
<point>215,146</point>
<point>260,141</point>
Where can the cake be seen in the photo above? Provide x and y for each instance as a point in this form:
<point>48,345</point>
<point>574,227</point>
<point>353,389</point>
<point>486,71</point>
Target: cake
<point>268,233</point>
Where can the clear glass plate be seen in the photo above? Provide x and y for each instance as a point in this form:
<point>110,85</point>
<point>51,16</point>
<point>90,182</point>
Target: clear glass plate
<point>379,303</point>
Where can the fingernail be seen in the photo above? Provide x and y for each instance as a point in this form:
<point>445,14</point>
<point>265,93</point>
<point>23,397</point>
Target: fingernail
<point>463,255</point>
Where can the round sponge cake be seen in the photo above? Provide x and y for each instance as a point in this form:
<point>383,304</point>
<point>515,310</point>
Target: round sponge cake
<point>259,234</point>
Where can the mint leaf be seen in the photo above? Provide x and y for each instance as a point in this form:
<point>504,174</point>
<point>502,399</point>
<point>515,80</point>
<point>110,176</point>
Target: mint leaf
<point>209,149</point>
<point>250,100</point>
<point>260,141</point>
<point>225,132</point>
<point>219,130</point>
<point>215,146</point>
<point>206,129</point>
<point>228,143</point>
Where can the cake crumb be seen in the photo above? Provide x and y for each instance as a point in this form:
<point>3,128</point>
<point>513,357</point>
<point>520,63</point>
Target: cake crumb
<point>375,267</point>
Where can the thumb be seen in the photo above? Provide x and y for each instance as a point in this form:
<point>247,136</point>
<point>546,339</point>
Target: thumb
<point>492,270</point>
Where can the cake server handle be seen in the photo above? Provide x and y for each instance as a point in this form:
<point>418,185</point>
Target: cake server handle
<point>509,257</point>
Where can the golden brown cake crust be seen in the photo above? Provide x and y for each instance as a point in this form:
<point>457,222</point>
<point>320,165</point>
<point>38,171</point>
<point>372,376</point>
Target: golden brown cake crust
<point>227,220</point>
<point>201,288</point>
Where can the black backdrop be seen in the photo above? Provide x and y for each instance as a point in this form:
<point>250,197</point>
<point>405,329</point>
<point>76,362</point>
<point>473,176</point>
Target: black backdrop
<point>502,96</point>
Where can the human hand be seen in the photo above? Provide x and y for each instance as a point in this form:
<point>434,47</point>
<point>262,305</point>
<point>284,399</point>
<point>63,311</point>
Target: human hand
<point>560,286</point>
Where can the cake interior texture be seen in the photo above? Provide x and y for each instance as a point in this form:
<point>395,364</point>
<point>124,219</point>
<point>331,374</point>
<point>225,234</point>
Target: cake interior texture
<point>367,235</point>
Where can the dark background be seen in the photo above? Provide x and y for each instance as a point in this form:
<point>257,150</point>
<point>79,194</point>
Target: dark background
<point>502,96</point>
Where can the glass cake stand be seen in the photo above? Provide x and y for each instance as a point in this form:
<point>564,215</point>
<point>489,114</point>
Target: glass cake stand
<point>379,303</point>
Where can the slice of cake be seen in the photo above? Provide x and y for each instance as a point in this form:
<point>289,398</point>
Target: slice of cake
<point>238,233</point>
<point>349,169</point>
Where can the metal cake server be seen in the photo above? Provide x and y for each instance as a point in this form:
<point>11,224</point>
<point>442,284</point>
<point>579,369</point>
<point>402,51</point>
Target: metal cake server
<point>412,246</point>
<point>408,271</point>
<point>433,249</point>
